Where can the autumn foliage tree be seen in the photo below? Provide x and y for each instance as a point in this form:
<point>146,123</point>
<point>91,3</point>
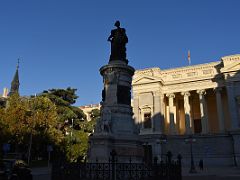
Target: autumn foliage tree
<point>34,117</point>
<point>49,118</point>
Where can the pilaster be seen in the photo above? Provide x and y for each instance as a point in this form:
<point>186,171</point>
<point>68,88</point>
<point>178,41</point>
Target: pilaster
<point>157,112</point>
<point>232,104</point>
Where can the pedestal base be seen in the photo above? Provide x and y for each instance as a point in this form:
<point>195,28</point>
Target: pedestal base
<point>127,148</point>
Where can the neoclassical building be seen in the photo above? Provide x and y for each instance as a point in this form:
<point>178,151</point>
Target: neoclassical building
<point>87,110</point>
<point>199,104</point>
<point>198,99</point>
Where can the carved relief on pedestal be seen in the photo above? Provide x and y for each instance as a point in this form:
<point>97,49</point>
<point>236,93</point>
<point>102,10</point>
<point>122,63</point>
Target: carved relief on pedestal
<point>104,123</point>
<point>111,77</point>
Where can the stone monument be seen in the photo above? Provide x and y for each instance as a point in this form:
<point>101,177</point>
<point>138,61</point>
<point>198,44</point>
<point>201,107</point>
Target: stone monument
<point>116,129</point>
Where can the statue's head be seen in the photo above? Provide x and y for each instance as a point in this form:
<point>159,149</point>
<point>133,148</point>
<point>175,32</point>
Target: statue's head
<point>117,24</point>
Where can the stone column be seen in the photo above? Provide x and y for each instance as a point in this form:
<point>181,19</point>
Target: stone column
<point>203,110</point>
<point>136,108</point>
<point>219,109</point>
<point>232,105</point>
<point>187,112</point>
<point>162,111</point>
<point>156,112</point>
<point>172,128</point>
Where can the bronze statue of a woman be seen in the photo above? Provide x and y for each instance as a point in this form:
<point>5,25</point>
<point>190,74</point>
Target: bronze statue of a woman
<point>118,39</point>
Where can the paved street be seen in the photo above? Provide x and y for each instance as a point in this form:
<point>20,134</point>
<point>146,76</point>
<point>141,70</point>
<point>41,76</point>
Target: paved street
<point>42,177</point>
<point>43,173</point>
<point>220,173</point>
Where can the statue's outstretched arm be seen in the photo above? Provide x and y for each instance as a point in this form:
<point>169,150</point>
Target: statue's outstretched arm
<point>110,38</point>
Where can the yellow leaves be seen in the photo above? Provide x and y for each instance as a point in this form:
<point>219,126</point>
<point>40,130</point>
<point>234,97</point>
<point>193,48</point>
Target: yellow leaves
<point>36,115</point>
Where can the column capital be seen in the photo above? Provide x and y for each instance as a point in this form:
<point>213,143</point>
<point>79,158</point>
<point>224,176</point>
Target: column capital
<point>186,93</point>
<point>201,91</point>
<point>156,93</point>
<point>170,95</point>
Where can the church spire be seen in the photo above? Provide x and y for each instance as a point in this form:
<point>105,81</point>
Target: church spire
<point>15,82</point>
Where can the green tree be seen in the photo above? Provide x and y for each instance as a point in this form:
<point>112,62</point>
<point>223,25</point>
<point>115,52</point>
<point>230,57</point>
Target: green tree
<point>72,121</point>
<point>34,117</point>
<point>64,99</point>
<point>88,126</point>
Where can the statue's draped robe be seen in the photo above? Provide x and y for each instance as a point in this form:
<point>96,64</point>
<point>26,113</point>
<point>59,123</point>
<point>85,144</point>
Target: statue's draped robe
<point>118,44</point>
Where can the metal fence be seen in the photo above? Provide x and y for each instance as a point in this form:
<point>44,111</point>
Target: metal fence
<point>169,170</point>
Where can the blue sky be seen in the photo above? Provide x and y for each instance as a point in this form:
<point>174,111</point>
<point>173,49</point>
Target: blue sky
<point>63,43</point>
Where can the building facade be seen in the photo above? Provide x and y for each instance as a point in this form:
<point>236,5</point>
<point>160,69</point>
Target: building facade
<point>87,110</point>
<point>194,99</point>
<point>200,100</point>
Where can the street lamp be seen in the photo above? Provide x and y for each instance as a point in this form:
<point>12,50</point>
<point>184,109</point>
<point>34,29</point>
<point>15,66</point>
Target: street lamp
<point>190,140</point>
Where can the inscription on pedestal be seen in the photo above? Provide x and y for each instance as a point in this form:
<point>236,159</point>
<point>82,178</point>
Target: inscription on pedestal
<point>123,95</point>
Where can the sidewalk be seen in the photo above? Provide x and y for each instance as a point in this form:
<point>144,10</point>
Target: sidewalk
<point>41,173</point>
<point>213,173</point>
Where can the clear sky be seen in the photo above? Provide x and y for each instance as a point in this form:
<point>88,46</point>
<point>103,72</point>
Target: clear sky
<point>63,43</point>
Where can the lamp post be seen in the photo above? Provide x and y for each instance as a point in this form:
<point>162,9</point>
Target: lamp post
<point>190,141</point>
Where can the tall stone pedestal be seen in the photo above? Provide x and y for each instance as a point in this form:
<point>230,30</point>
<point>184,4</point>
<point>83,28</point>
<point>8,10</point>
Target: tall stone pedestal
<point>116,129</point>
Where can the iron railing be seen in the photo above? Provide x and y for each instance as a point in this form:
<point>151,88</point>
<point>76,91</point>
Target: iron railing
<point>169,170</point>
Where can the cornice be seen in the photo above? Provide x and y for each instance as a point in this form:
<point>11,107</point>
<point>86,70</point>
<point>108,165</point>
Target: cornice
<point>231,57</point>
<point>200,72</point>
<point>190,68</point>
<point>148,71</point>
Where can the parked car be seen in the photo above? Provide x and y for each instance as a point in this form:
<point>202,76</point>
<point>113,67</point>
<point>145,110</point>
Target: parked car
<point>14,169</point>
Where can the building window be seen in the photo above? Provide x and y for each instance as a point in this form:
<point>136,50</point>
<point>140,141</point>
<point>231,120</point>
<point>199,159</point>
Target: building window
<point>147,121</point>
